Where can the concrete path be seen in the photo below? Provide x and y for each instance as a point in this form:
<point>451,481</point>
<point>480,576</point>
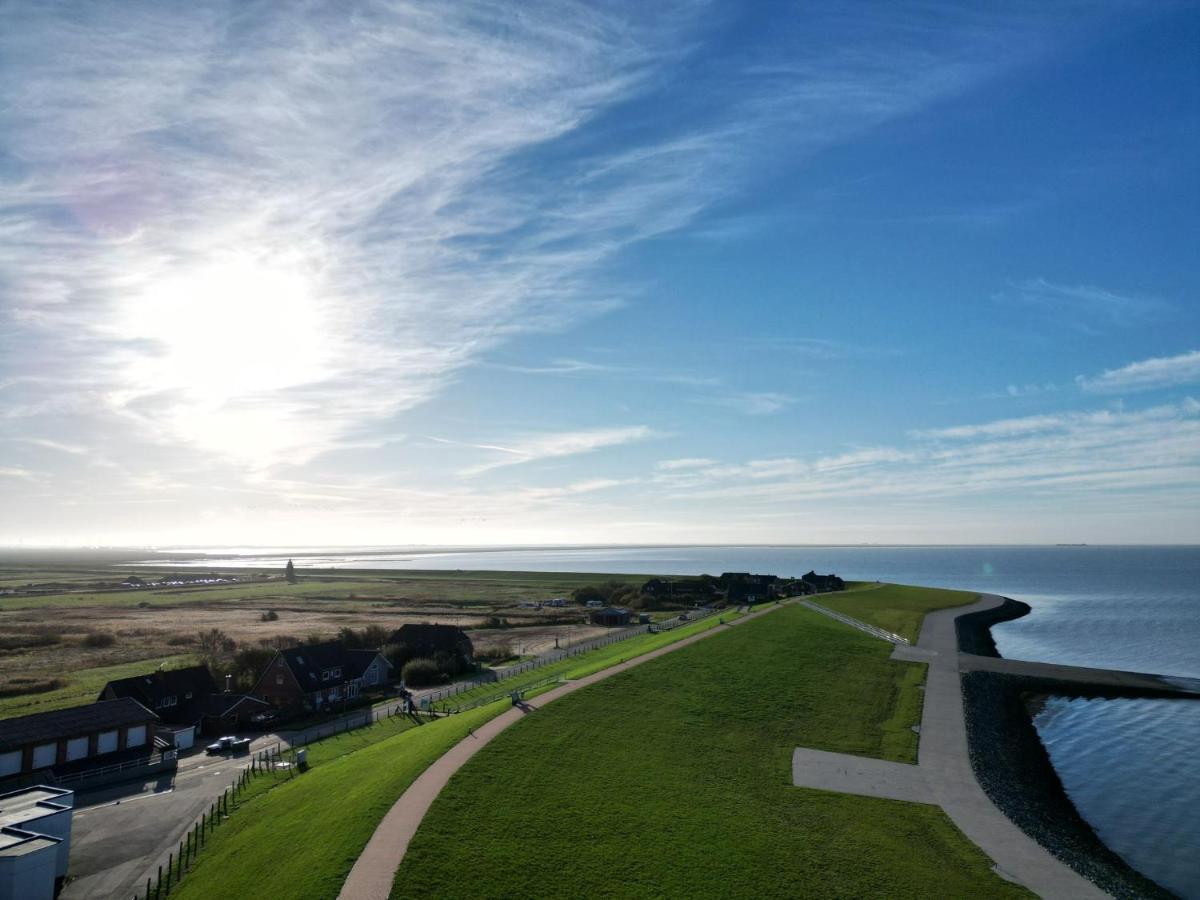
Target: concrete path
<point>373,873</point>
<point>943,774</point>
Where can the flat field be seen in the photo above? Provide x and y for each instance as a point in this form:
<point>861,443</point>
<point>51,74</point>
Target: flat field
<point>60,644</point>
<point>673,779</point>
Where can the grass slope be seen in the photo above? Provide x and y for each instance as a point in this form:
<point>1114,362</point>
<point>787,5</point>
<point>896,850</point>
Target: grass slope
<point>589,662</point>
<point>307,831</point>
<point>897,607</point>
<point>674,780</point>
<point>305,835</point>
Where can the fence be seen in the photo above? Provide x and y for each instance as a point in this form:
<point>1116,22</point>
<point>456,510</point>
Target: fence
<point>551,656</point>
<point>132,767</point>
<point>873,630</point>
<point>671,624</point>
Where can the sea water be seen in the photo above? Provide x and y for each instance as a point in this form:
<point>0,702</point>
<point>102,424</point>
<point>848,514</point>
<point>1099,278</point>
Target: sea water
<point>1130,766</point>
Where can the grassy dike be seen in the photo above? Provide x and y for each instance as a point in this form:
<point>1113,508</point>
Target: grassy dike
<point>307,831</point>
<point>898,608</point>
<point>673,779</point>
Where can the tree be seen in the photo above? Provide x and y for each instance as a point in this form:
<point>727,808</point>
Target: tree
<point>214,646</point>
<point>290,573</point>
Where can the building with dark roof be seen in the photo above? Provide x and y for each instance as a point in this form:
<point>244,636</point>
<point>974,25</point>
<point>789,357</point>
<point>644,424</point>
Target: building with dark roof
<point>823,583</point>
<point>61,736</point>
<point>611,616</point>
<point>313,676</point>
<point>187,696</point>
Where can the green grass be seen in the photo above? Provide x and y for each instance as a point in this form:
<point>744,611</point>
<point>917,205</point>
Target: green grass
<point>896,607</point>
<point>589,662</point>
<point>328,749</point>
<point>331,811</point>
<point>85,685</point>
<point>673,779</point>
<point>460,588</point>
<point>304,836</point>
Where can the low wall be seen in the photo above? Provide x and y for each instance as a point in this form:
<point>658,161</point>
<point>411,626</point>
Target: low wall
<point>974,630</point>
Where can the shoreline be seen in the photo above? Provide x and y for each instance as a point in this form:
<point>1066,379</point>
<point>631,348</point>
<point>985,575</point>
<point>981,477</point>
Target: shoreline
<point>1014,769</point>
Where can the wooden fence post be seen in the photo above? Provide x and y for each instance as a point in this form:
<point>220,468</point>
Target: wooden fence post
<point>170,868</point>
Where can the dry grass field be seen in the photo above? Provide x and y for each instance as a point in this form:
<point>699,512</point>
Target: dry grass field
<point>66,630</point>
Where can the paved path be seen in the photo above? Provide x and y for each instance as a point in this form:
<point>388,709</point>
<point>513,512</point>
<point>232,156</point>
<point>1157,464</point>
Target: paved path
<point>943,774</point>
<point>373,873</point>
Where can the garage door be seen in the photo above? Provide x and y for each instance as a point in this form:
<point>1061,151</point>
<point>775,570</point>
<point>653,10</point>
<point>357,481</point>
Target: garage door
<point>45,755</point>
<point>185,739</point>
<point>107,742</point>
<point>77,748</point>
<point>136,736</point>
<point>10,763</point>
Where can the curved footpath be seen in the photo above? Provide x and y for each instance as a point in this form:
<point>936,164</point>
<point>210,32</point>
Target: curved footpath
<point>375,870</point>
<point>943,774</point>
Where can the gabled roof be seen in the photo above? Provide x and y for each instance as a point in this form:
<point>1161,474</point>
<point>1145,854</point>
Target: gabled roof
<point>309,663</point>
<point>74,721</point>
<point>148,688</point>
<point>221,705</point>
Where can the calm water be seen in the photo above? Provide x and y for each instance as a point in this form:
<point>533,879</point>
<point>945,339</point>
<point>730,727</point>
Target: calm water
<point>1129,765</point>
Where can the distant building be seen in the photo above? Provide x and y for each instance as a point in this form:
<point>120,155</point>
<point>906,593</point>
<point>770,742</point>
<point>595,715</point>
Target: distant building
<point>824,583</point>
<point>35,842</point>
<point>742,587</point>
<point>611,616</point>
<point>314,676</point>
<point>60,736</point>
<point>682,590</point>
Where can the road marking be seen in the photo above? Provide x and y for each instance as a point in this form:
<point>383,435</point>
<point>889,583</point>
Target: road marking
<point>123,800</point>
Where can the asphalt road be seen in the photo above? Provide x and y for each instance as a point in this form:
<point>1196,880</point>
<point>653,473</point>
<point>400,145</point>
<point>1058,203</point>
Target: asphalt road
<point>122,833</point>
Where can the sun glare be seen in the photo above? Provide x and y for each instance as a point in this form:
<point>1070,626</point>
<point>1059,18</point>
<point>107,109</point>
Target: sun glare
<point>220,337</point>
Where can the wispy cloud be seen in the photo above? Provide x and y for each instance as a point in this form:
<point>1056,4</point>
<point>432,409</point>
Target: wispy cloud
<point>690,462</point>
<point>1084,307</point>
<point>286,230</point>
<point>555,446</point>
<point>1148,374</point>
<point>1067,454</point>
<point>753,403</point>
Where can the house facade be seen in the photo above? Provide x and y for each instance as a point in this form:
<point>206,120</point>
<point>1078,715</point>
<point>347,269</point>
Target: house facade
<point>315,676</point>
<point>60,736</point>
<point>611,616</point>
<point>187,697</point>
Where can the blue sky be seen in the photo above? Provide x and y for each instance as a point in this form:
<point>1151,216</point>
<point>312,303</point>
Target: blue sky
<point>467,273</point>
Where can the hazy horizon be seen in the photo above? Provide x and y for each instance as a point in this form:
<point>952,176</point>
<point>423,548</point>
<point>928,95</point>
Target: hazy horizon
<point>599,274</point>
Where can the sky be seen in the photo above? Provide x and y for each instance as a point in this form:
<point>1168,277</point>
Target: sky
<point>484,273</point>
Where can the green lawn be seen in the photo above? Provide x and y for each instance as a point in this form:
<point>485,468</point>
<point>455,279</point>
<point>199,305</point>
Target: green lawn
<point>589,662</point>
<point>301,839</point>
<point>330,812</point>
<point>673,779</point>
<point>85,685</point>
<point>896,607</point>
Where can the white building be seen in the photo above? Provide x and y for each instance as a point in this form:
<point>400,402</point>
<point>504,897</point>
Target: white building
<point>35,842</point>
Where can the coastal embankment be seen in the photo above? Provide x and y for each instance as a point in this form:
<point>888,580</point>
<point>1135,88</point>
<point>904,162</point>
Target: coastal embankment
<point>1012,765</point>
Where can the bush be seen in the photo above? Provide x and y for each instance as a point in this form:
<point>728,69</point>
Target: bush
<point>181,640</point>
<point>24,641</point>
<point>421,672</point>
<point>19,686</point>
<point>99,639</point>
<point>270,616</point>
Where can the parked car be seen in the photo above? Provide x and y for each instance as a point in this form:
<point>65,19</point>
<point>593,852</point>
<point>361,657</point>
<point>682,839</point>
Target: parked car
<point>229,744</point>
<point>264,718</point>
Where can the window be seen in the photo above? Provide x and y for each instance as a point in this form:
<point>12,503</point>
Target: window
<point>187,696</point>
<point>279,679</point>
<point>164,702</point>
